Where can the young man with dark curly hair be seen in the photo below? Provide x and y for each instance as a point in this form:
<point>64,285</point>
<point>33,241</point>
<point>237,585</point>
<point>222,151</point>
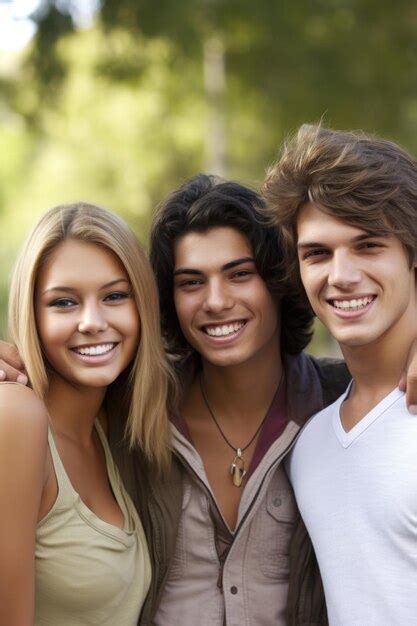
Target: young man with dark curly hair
<point>236,331</point>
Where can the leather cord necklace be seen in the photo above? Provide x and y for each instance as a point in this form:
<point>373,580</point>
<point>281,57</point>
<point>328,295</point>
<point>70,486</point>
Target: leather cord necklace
<point>237,467</point>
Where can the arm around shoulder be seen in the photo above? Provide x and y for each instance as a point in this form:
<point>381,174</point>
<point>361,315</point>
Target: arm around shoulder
<point>23,448</point>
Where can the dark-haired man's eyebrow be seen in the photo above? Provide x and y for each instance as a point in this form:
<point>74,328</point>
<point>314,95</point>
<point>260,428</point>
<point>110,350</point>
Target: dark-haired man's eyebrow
<point>187,270</point>
<point>231,264</point>
<point>227,266</point>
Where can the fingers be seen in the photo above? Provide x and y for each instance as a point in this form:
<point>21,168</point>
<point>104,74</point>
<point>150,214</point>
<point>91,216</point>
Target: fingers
<point>11,374</point>
<point>412,393</point>
<point>408,382</point>
<point>11,365</point>
<point>10,355</point>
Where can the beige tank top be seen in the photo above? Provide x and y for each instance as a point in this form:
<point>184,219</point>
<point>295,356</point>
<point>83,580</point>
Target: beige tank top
<point>86,570</point>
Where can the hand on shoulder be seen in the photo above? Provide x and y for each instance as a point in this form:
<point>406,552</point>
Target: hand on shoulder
<point>11,365</point>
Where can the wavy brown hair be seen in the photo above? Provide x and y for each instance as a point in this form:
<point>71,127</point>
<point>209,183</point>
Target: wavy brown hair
<point>368,182</point>
<point>205,202</point>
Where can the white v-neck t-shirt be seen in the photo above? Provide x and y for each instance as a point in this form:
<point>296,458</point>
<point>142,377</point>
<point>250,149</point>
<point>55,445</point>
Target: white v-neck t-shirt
<point>357,493</point>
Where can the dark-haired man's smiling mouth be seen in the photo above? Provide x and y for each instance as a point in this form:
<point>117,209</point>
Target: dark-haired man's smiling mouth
<point>223,330</point>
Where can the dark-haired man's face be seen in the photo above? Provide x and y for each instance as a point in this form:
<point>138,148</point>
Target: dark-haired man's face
<point>223,305</point>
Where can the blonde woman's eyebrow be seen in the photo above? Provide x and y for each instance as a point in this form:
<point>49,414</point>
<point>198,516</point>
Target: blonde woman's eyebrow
<point>66,289</point>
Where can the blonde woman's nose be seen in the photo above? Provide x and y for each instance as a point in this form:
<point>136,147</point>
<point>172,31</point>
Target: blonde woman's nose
<point>92,320</point>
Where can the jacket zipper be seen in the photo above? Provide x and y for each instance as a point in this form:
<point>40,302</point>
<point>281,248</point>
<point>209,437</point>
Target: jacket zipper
<point>188,467</point>
<point>220,576</point>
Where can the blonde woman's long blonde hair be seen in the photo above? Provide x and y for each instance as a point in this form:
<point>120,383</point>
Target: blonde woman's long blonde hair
<point>138,398</point>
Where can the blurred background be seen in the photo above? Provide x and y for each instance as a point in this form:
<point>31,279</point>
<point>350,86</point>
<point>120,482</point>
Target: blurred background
<point>118,101</point>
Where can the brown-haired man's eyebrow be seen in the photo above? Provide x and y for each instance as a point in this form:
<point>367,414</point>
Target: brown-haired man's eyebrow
<point>72,289</point>
<point>305,245</point>
<point>310,244</point>
<point>369,235</point>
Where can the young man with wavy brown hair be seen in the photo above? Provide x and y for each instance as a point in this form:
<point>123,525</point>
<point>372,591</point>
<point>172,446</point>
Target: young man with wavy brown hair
<point>347,203</point>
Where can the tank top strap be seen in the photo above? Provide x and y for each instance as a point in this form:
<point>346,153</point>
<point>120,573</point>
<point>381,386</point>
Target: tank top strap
<point>118,489</point>
<point>111,468</point>
<point>66,492</point>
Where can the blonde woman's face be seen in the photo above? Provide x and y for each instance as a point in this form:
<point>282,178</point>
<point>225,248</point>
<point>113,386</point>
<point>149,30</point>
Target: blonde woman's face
<point>87,319</point>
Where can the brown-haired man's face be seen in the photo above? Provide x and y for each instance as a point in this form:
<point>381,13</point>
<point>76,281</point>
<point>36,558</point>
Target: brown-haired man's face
<point>223,305</point>
<point>360,286</point>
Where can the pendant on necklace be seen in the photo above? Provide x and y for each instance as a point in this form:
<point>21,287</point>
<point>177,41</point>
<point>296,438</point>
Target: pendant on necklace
<point>237,469</point>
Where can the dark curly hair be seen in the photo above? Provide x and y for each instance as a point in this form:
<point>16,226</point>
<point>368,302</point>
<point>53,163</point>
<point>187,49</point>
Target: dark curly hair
<point>205,202</point>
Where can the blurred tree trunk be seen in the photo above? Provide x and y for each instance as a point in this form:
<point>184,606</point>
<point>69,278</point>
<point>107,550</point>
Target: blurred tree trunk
<point>215,90</point>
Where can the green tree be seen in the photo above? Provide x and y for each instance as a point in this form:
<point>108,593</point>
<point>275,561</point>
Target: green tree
<point>122,112</point>
<point>353,61</point>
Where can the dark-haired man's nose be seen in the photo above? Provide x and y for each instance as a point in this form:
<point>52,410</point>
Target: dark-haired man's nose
<point>218,297</point>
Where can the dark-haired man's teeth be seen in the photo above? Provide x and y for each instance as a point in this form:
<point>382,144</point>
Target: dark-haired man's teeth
<point>352,305</point>
<point>224,330</point>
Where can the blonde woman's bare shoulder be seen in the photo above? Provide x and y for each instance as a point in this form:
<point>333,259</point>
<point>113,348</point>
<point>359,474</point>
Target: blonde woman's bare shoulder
<point>21,409</point>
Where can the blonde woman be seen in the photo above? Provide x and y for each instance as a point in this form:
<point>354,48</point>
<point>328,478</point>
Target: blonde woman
<point>84,316</point>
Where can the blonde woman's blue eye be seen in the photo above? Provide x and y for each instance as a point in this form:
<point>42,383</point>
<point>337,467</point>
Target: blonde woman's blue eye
<point>62,303</point>
<point>116,296</point>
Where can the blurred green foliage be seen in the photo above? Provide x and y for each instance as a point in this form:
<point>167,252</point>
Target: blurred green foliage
<point>118,114</point>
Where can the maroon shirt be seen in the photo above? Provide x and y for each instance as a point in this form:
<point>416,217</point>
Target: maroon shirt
<point>273,427</point>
